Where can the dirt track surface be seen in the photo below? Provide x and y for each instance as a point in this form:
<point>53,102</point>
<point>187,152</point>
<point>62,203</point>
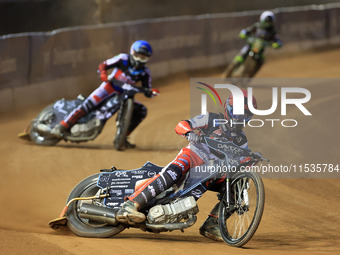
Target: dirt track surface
<point>301,215</point>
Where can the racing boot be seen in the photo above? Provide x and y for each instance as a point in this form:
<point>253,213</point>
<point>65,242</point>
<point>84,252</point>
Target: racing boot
<point>129,213</point>
<point>129,145</point>
<point>58,130</point>
<point>210,227</point>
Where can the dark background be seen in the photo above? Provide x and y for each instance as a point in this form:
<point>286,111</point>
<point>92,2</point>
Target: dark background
<point>17,16</point>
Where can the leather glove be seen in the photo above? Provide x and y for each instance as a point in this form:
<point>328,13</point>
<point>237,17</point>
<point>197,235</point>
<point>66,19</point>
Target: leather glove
<point>243,34</point>
<point>276,45</point>
<point>193,137</point>
<point>151,92</point>
<point>148,93</point>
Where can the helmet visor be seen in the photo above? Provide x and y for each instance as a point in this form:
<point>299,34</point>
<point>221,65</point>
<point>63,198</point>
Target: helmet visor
<point>268,21</point>
<point>240,117</point>
<point>245,117</point>
<point>139,57</point>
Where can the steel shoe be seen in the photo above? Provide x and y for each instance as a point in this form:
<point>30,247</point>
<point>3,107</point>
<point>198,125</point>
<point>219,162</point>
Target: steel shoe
<point>129,213</point>
<point>210,229</point>
<point>58,130</point>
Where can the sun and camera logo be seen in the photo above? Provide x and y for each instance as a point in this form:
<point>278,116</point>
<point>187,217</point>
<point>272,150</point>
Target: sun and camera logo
<point>204,96</point>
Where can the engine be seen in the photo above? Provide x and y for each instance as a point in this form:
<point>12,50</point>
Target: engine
<point>175,211</point>
<point>85,129</point>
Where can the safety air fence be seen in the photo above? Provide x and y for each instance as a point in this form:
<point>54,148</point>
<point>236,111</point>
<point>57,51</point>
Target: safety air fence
<point>38,68</point>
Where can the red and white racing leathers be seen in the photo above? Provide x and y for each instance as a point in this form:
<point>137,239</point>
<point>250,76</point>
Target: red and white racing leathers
<point>123,72</point>
<point>194,154</point>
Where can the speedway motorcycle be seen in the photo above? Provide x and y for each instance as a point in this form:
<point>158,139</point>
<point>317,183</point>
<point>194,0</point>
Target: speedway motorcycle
<point>92,205</point>
<point>89,126</point>
<point>251,64</point>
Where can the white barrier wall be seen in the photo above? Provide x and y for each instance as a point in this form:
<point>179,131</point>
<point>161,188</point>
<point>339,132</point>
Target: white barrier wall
<point>38,68</point>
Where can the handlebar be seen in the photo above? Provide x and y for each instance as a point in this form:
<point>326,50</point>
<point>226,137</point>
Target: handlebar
<point>155,92</point>
<point>252,39</point>
<point>258,156</point>
<point>131,90</point>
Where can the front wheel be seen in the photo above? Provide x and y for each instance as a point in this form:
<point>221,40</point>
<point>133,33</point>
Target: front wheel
<point>123,123</point>
<point>84,227</point>
<point>239,222</point>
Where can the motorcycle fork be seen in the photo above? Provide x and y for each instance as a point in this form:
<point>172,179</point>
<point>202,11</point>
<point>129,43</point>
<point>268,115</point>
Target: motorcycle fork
<point>224,195</point>
<point>120,112</point>
<point>227,190</point>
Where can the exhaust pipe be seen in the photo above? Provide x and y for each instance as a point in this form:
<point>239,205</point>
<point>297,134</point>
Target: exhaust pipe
<point>98,214</point>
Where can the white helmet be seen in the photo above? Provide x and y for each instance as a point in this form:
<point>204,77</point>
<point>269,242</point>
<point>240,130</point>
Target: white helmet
<point>267,17</point>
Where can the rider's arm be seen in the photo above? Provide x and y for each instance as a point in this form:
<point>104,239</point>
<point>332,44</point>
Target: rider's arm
<point>247,31</point>
<point>107,64</point>
<point>146,82</point>
<point>102,71</point>
<point>186,126</point>
<point>117,73</point>
<point>241,140</point>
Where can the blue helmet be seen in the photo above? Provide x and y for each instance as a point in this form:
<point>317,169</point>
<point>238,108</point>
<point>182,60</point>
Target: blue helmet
<point>140,52</point>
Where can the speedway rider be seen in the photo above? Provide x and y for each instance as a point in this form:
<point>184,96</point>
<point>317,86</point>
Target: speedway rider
<point>127,70</point>
<point>194,154</point>
<point>263,29</point>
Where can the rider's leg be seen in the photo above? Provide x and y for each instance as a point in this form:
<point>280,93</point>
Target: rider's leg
<point>138,115</point>
<point>210,228</point>
<point>104,91</point>
<point>240,57</point>
<point>87,106</point>
<point>169,176</point>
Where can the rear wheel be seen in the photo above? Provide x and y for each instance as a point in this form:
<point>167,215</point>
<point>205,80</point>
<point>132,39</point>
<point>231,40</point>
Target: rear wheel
<point>46,118</point>
<point>123,123</point>
<point>251,67</point>
<point>231,70</point>
<point>239,222</point>
<point>84,227</point>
